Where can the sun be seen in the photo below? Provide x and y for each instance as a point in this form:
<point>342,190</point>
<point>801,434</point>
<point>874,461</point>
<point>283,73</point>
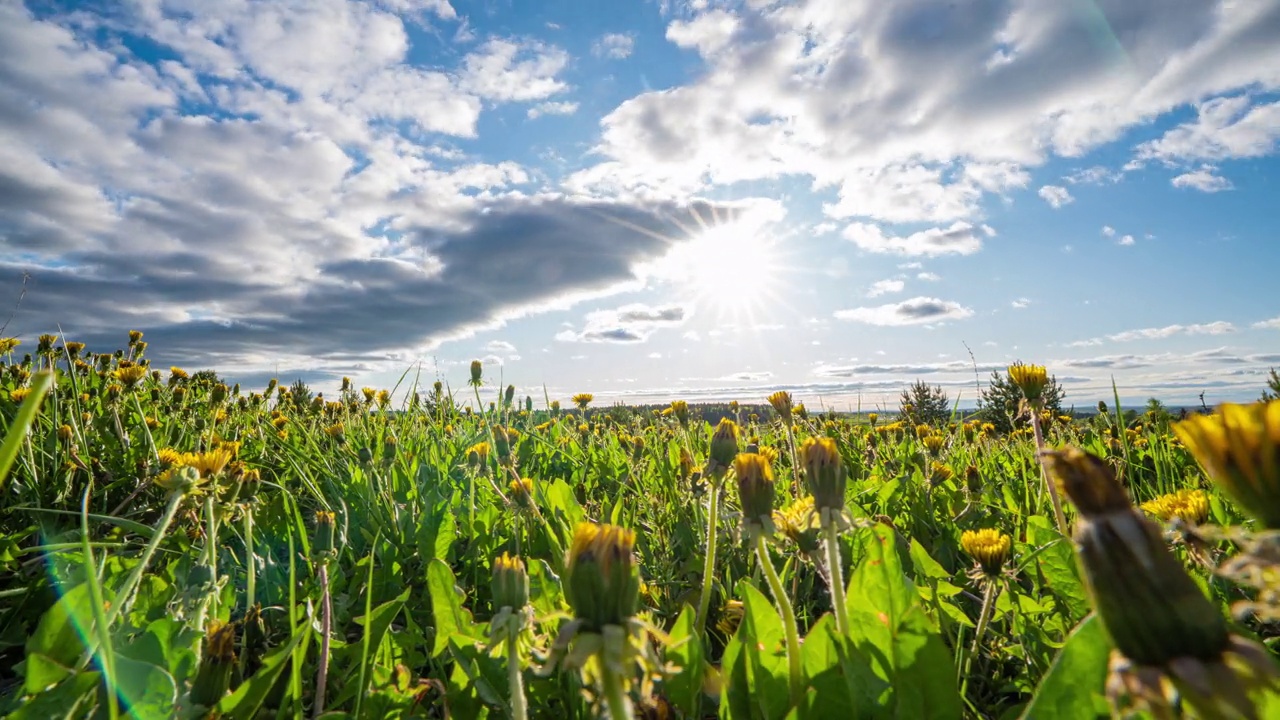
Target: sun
<point>732,268</point>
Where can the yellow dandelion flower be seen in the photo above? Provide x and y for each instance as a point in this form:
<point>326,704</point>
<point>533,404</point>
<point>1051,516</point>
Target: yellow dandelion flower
<point>1239,447</point>
<point>782,404</point>
<point>989,548</point>
<point>582,400</point>
<point>1030,379</point>
<point>1192,506</point>
<point>601,576</point>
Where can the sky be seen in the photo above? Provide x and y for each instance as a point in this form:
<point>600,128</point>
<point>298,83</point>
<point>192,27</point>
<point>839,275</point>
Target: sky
<point>652,200</point>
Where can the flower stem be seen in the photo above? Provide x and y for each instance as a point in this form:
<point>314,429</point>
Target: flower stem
<point>1053,489</point>
<point>709,563</point>
<point>326,621</point>
<point>984,619</point>
<point>788,620</point>
<point>615,697</point>
<point>515,681</point>
<point>836,578</point>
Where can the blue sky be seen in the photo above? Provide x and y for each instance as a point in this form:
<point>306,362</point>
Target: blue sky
<point>653,200</point>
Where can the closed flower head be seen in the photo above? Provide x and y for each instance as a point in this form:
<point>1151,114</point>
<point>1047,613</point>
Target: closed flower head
<point>509,582</point>
<point>602,577</point>
<point>755,492</point>
<point>782,404</point>
<point>824,473</point>
<point>724,447</point>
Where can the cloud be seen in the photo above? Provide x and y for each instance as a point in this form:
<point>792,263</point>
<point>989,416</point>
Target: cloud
<point>627,324</point>
<point>1108,231</point>
<point>746,377</point>
<point>960,238</point>
<point>928,276</point>
<point>614,46</point>
<point>499,346</point>
<point>1056,196</point>
<point>954,366</point>
<point>914,112</point>
<point>1225,128</point>
<point>884,287</point>
<point>1218,327</point>
<point>551,108</point>
<point>1273,323</point>
<point>916,311</point>
<point>1095,175</point>
<point>1125,240</point>
<point>1204,179</point>
<point>510,70</point>
<point>1020,303</point>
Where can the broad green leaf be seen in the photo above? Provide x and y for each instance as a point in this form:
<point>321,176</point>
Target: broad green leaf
<point>147,690</point>
<point>889,624</point>
<point>57,636</point>
<point>764,646</point>
<point>71,698</point>
<point>1057,562</point>
<point>40,672</point>
<point>446,606</point>
<point>837,675</point>
<point>684,689</point>
<point>1076,677</point>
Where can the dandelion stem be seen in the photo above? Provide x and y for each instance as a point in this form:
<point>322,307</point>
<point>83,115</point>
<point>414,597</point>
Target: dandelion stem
<point>1052,489</point>
<point>796,674</point>
<point>615,697</point>
<point>326,621</point>
<point>835,577</point>
<point>709,562</point>
<point>515,681</point>
<point>984,619</point>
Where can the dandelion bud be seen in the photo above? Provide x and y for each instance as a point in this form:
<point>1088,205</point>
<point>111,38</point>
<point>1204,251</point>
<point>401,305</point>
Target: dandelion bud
<point>824,474</point>
<point>219,393</point>
<point>323,539</point>
<point>724,447</point>
<point>934,443</point>
<point>755,492</point>
<point>1152,609</point>
<point>365,454</point>
<point>509,583</point>
<point>1030,379</point>
<point>680,409</point>
<point>781,402</point>
<point>601,577</point>
<point>477,371</point>
<point>872,417</point>
<point>509,396</point>
<point>135,336</point>
<point>65,433</point>
<point>1239,448</point>
<point>218,659</point>
<point>478,456</point>
<point>972,479</point>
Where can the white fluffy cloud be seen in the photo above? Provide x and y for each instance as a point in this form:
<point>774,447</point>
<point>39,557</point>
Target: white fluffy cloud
<point>960,238</point>
<point>1056,196</point>
<point>1204,179</point>
<point>885,287</point>
<point>632,323</point>
<point>916,311</point>
<point>615,46</point>
<point>914,112</point>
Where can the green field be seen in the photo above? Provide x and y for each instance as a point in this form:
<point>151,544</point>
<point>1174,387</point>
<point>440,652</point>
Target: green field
<point>174,547</point>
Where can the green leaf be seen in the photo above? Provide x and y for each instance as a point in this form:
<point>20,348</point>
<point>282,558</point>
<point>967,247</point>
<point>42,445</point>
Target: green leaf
<point>446,606</point>
<point>436,532</point>
<point>71,698</point>
<point>837,676</point>
<point>888,624</point>
<point>248,698</point>
<point>58,633</point>
<point>684,689</point>
<point>1076,676</point>
<point>1057,562</point>
<point>925,565</point>
<point>147,690</point>
<point>764,645</point>
<point>41,673</point>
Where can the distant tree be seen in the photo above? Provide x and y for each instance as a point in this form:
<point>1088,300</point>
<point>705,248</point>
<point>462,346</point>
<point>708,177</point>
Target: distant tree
<point>1000,401</point>
<point>1273,387</point>
<point>206,377</point>
<point>925,403</point>
<point>300,395</point>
